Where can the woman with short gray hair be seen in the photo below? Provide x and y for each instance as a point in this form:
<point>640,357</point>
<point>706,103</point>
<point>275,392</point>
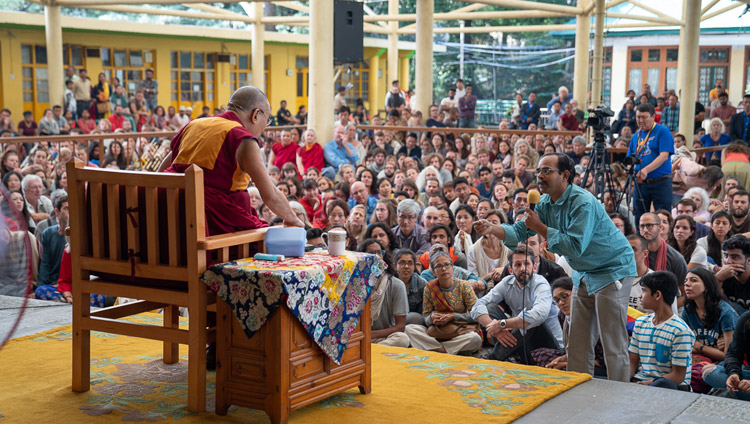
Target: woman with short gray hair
<point>446,308</point>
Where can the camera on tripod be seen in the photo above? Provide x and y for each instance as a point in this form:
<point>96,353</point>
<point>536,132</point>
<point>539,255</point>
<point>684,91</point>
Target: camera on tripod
<point>599,118</point>
<point>631,160</point>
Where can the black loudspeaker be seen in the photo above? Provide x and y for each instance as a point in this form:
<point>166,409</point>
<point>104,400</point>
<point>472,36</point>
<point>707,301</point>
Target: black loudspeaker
<point>347,31</point>
<point>93,52</point>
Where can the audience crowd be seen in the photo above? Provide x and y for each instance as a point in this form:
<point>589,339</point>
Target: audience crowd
<point>413,197</point>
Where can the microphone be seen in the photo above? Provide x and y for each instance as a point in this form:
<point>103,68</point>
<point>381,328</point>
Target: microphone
<point>533,198</point>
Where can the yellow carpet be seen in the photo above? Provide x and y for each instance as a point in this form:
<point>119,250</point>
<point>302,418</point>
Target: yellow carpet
<point>131,384</point>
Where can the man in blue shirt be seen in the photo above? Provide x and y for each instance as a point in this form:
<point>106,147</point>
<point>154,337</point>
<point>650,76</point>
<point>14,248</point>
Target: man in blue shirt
<point>577,227</point>
<point>532,316</point>
<point>338,152</point>
<point>652,145</point>
<point>361,197</point>
<point>670,117</point>
<point>530,112</point>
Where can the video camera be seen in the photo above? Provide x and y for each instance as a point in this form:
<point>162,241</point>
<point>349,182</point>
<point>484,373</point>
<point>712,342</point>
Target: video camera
<point>599,118</point>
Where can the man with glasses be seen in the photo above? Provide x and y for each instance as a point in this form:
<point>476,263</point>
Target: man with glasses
<point>338,152</point>
<point>39,206</point>
<point>532,316</point>
<point>661,256</point>
<point>577,227</point>
<point>409,234</point>
<point>640,251</point>
<point>652,145</point>
<point>360,196</point>
<point>227,148</point>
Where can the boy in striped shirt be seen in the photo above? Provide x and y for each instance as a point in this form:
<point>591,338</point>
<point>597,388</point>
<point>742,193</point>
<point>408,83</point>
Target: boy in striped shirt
<point>660,349</point>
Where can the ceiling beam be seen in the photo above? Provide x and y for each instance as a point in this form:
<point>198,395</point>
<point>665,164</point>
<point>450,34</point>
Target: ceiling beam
<point>211,9</point>
<point>722,10</point>
<point>77,3</point>
<point>506,14</point>
<point>465,9</point>
<point>171,12</point>
<point>529,28</point>
<point>658,20</point>
<point>709,6</point>
<point>610,4</point>
<point>652,10</point>
<point>293,6</point>
<point>529,5</point>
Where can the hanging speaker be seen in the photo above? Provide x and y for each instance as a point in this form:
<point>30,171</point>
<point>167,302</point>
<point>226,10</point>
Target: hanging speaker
<point>348,45</point>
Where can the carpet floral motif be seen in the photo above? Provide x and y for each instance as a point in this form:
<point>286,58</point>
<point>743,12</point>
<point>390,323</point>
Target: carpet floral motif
<point>494,389</point>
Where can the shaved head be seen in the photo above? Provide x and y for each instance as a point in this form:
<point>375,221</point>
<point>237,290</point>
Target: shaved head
<point>247,98</point>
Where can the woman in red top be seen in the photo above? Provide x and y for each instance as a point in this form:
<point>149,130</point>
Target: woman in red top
<point>86,123</point>
<point>310,154</point>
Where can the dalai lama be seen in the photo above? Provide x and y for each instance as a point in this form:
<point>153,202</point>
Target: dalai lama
<point>227,149</point>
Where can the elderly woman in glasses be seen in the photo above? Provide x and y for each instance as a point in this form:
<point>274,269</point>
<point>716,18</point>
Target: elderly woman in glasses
<point>446,301</point>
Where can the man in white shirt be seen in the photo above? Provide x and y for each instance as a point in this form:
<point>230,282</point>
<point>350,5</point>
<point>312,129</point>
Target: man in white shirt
<point>460,89</point>
<point>448,103</point>
<point>532,320</point>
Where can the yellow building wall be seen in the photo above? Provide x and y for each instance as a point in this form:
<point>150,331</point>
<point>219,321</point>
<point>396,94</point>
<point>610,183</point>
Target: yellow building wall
<point>281,62</point>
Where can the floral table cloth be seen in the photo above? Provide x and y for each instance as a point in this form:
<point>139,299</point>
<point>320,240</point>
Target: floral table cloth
<point>326,293</point>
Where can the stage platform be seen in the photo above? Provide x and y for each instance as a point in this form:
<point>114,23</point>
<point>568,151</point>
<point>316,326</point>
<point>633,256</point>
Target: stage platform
<point>593,401</point>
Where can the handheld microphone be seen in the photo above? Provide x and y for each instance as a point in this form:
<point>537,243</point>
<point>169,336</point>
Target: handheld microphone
<point>533,198</point>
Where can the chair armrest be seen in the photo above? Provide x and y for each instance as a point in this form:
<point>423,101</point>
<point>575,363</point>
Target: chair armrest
<point>233,239</point>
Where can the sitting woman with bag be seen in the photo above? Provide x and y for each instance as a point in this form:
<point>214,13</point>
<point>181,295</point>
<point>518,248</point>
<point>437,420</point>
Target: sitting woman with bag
<point>446,306</point>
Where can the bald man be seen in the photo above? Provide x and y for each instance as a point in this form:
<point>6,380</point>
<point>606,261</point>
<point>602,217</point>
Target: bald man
<point>226,147</point>
<point>361,196</point>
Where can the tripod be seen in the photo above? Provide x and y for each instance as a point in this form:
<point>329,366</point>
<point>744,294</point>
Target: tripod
<point>600,170</point>
<point>629,189</point>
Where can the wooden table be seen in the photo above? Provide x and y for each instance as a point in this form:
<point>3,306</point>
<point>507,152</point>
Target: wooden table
<point>280,368</point>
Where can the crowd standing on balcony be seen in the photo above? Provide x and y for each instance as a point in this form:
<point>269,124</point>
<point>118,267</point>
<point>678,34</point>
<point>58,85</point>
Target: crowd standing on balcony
<point>473,269</point>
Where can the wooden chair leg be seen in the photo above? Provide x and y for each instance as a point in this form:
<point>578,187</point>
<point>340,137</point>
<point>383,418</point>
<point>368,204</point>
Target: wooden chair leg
<point>224,316</point>
<point>197,352</point>
<point>81,341</point>
<point>171,320</point>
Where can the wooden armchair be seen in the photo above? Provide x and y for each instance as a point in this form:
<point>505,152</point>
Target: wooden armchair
<point>142,236</point>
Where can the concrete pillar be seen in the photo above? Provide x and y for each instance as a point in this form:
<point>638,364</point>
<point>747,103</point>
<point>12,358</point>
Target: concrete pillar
<point>423,57</point>
<point>393,45</point>
<point>581,61</point>
<point>373,95</point>
<point>404,70</point>
<point>258,49</point>
<point>321,70</point>
<point>688,68</point>
<point>53,32</point>
<point>596,77</point>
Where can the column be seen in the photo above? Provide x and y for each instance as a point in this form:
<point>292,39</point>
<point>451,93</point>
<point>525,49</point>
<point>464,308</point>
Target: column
<point>373,95</point>
<point>53,32</point>
<point>581,61</point>
<point>258,50</point>
<point>321,70</point>
<point>404,70</point>
<point>688,68</point>
<point>423,57</point>
<point>596,77</point>
<point>392,46</point>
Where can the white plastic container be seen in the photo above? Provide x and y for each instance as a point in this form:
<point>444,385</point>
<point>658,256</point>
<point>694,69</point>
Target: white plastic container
<point>289,242</point>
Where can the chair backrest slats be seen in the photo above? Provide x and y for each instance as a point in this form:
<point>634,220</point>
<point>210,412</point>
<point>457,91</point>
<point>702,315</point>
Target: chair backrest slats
<point>152,225</point>
<point>132,223</point>
<point>113,222</point>
<point>173,223</point>
<point>97,220</point>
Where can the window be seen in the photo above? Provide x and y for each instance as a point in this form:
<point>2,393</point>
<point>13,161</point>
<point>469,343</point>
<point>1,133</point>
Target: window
<point>129,66</point>
<point>356,80</point>
<point>73,56</point>
<point>658,69</point>
<point>193,80</point>
<point>240,72</point>
<point>35,79</point>
<point>714,65</point>
<point>747,71</point>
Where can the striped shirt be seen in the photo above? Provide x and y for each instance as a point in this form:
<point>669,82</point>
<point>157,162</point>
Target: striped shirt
<point>661,346</point>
